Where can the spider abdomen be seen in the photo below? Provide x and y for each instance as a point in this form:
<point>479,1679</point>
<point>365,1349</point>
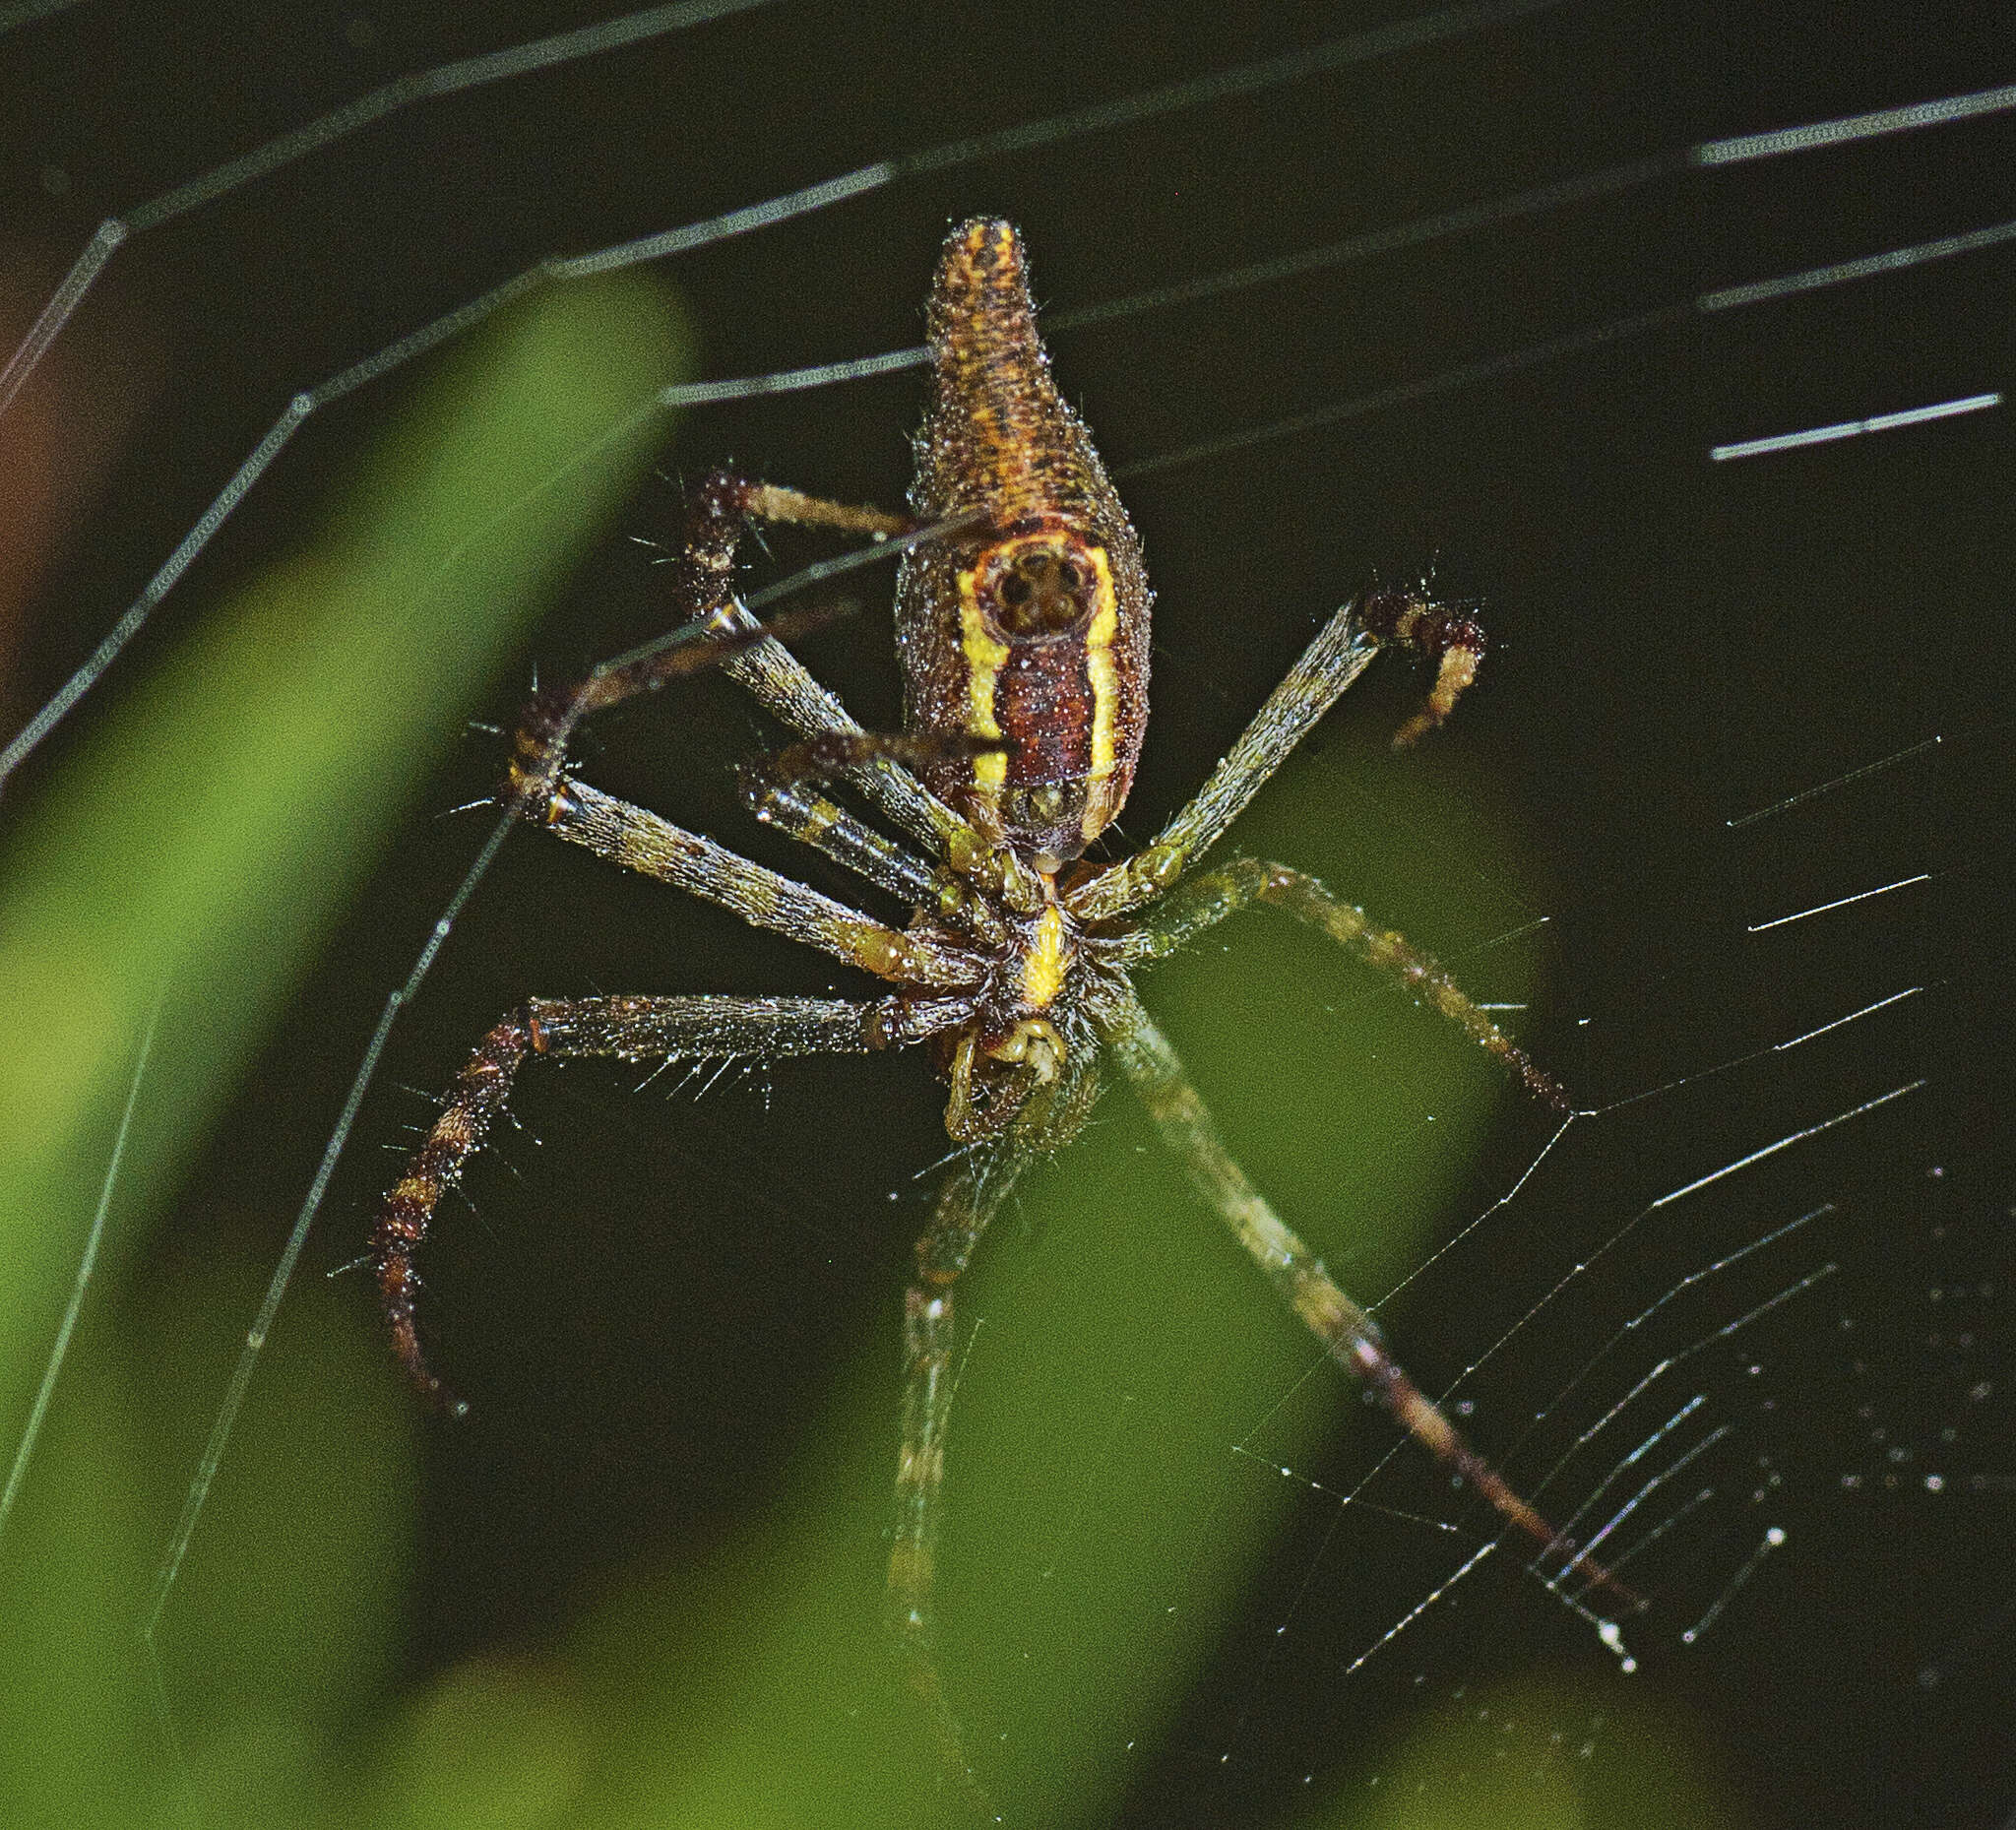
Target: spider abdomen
<point>1032,633</point>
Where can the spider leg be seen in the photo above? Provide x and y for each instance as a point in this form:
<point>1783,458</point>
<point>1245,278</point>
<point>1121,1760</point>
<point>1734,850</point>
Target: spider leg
<point>779,789</point>
<point>964,1207</point>
<point>1188,910</point>
<point>1324,671</point>
<point>779,682</point>
<point>968,1200</point>
<point>1348,1332</point>
<point>1452,639</point>
<point>833,752</point>
<point>641,840</point>
<point>833,742</point>
<point>628,1028</point>
<point>809,817</point>
<point>768,671</point>
<point>805,814</point>
<point>701,581</point>
<point>701,574</point>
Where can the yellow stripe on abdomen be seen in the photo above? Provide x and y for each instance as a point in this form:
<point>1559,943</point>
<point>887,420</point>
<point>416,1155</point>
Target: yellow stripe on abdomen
<point>1103,677</point>
<point>984,655</point>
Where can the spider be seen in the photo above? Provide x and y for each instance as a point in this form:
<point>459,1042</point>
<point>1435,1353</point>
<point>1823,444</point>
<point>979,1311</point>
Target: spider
<point>1022,630</point>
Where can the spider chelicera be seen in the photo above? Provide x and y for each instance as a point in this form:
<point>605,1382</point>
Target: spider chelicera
<point>1022,628</point>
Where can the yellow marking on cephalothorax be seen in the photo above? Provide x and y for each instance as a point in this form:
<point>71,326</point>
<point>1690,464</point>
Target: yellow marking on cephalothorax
<point>1043,970</point>
<point>1104,678</point>
<point>984,653</point>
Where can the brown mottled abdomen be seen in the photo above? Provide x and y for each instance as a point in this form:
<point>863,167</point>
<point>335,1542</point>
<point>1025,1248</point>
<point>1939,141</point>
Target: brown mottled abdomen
<point>1033,630</point>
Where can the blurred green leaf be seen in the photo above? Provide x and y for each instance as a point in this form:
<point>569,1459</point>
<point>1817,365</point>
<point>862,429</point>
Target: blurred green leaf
<point>197,848</point>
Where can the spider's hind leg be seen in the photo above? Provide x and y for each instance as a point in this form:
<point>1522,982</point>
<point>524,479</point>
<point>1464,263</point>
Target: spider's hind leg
<point>1322,673</point>
<point>1452,639</point>
<point>700,575</point>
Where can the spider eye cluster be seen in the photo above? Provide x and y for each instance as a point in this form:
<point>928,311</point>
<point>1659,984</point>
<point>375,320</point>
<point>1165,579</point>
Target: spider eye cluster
<point>1041,591</point>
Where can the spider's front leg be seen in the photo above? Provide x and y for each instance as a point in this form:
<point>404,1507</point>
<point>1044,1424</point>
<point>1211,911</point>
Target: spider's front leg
<point>969,1199</point>
<point>630,1029</point>
<point>965,1205</point>
<point>1346,1332</point>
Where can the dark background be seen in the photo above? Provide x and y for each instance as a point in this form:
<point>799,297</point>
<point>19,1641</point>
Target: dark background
<point>1681,643</point>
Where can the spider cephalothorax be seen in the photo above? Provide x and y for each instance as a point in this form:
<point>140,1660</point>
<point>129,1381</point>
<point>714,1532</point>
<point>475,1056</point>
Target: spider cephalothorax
<point>1022,627</point>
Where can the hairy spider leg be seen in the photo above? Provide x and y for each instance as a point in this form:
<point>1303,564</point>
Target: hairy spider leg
<point>967,1201</point>
<point>1349,1335</point>
<point>639,840</point>
<point>752,654</point>
<point>803,813</point>
<point>1203,900</point>
<point>780,684</point>
<point>1321,676</point>
<point>1449,638</point>
<point>699,588</point>
<point>628,1028</point>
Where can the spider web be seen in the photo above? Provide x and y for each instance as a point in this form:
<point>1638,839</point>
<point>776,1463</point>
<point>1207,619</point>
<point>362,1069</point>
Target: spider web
<point>1724,829</point>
